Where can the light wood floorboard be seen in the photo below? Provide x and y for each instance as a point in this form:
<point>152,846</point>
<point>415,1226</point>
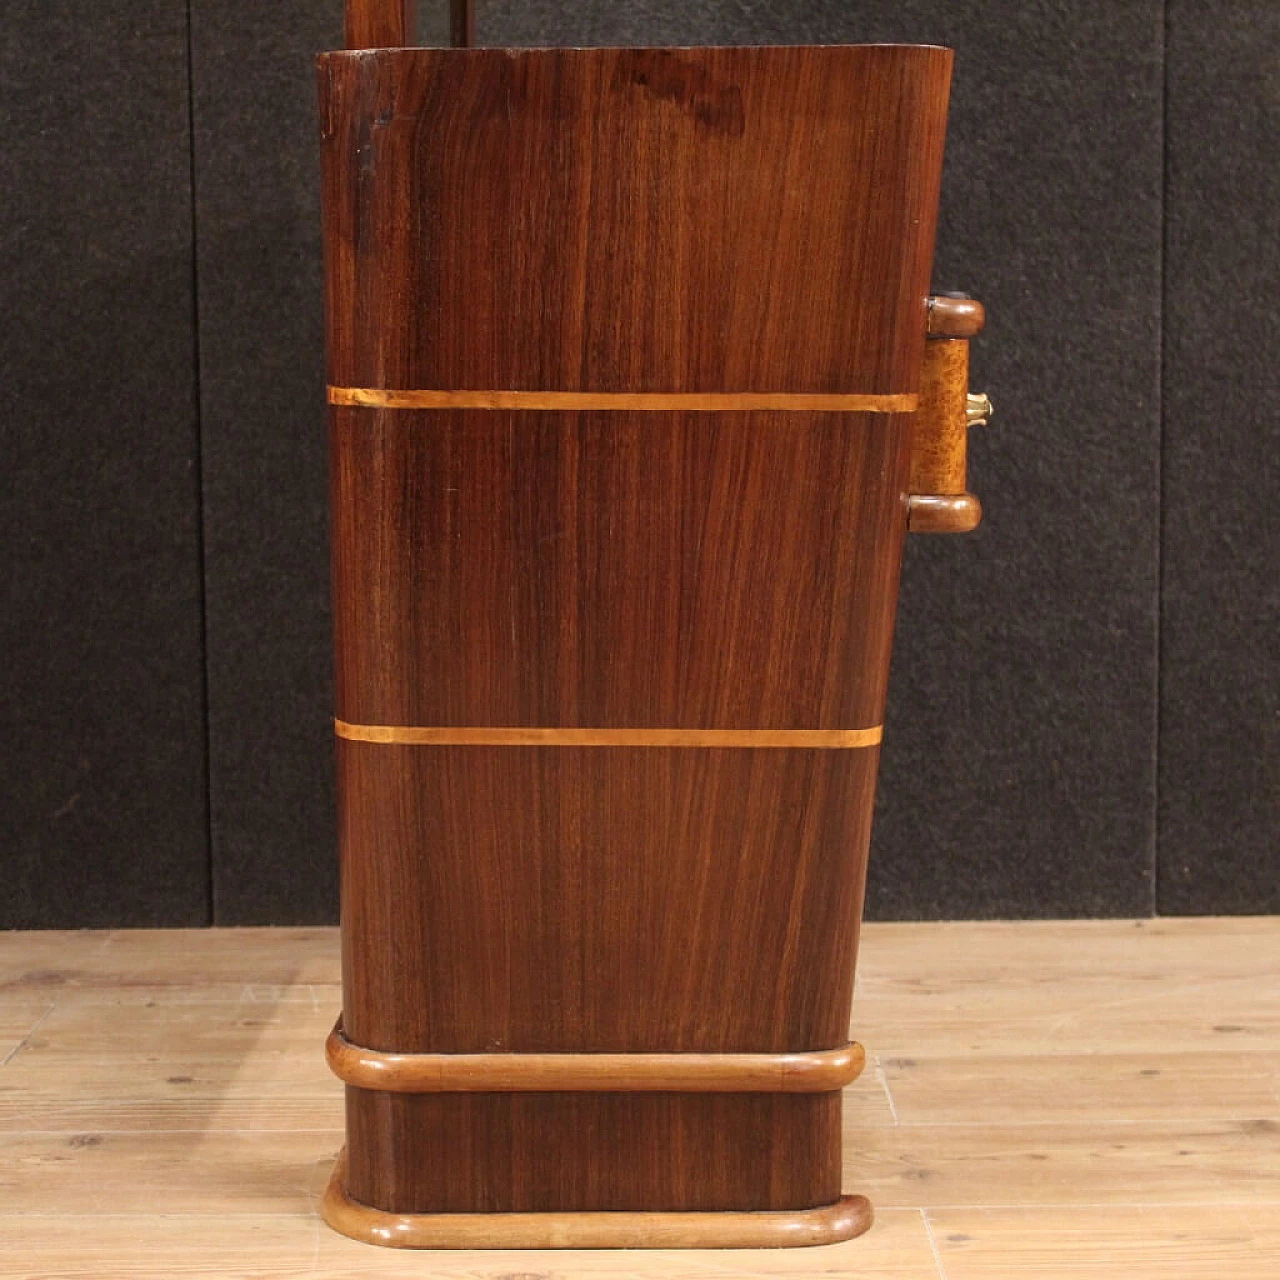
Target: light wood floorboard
<point>1093,1098</point>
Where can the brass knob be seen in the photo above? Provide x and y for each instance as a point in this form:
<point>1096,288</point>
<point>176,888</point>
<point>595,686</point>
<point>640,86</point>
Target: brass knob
<point>977,408</point>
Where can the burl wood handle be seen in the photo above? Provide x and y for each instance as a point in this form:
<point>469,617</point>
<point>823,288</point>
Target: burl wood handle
<point>393,24</point>
<point>940,501</point>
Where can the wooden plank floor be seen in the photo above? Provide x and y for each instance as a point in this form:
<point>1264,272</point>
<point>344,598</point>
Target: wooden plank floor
<point>1067,1099</point>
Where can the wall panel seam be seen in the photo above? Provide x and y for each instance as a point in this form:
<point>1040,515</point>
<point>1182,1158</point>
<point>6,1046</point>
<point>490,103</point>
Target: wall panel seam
<point>1162,312</point>
<point>198,396</point>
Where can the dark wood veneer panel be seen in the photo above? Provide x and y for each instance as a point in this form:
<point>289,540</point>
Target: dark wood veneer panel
<point>736,239</point>
<point>601,899</point>
<point>502,1153</point>
<point>625,570</point>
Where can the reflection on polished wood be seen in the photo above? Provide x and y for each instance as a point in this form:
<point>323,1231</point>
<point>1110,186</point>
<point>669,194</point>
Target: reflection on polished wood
<point>603,1072</point>
<point>943,512</point>
<point>955,317</point>
<point>827,1224</point>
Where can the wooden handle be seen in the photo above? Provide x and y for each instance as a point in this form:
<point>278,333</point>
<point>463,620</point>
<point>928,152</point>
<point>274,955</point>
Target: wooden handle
<point>393,24</point>
<point>940,501</point>
<point>953,315</point>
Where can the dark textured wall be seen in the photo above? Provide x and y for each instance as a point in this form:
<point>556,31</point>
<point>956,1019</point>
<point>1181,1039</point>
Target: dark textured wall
<point>102,749</point>
<point>1220,619</point>
<point>1084,695</point>
<point>263,422</point>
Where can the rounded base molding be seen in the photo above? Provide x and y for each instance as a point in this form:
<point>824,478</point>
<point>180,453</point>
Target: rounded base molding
<point>767,1229</point>
<point>821,1071</point>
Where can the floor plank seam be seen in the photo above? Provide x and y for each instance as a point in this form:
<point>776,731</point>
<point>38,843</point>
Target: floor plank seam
<point>26,1040</point>
<point>888,1095</point>
<point>933,1244</point>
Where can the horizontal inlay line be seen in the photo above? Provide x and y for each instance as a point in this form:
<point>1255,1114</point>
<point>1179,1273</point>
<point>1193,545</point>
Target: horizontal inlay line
<point>487,736</point>
<point>686,401</point>
<point>819,1071</point>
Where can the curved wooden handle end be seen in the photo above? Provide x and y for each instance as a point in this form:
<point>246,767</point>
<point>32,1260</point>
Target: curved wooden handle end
<point>940,500</point>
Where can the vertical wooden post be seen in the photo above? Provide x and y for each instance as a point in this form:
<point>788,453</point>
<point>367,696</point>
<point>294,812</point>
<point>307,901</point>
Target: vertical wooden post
<point>462,24</point>
<point>381,24</point>
<point>393,24</point>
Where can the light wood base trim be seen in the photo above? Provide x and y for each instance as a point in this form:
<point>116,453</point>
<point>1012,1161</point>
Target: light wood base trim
<point>768,1229</point>
<point>626,401</point>
<point>819,1072</point>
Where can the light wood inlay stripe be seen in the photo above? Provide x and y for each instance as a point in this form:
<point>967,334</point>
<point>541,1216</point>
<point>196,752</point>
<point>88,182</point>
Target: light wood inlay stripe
<point>818,1072</point>
<point>678,401</point>
<point>486,736</point>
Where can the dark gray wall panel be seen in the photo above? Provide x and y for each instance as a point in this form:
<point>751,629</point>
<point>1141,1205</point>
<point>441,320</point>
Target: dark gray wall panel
<point>1220,671</point>
<point>1019,768</point>
<point>102,759</point>
<point>263,430</point>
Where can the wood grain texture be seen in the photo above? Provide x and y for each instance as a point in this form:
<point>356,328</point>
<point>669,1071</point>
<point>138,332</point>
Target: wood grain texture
<point>615,570</point>
<point>1070,1088</point>
<point>17,1021</point>
<point>592,1072</point>
<point>939,450</point>
<point>848,1217</point>
<point>550,561</point>
<point>1190,1242</point>
<point>951,317</point>
<point>1164,1162</point>
<point>940,502</point>
<point>728,219</point>
<point>462,23</point>
<point>378,24</point>
<point>943,512</point>
<point>1076,988</point>
<point>288,1246</point>
<point>626,1152</point>
<point>612,898</point>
